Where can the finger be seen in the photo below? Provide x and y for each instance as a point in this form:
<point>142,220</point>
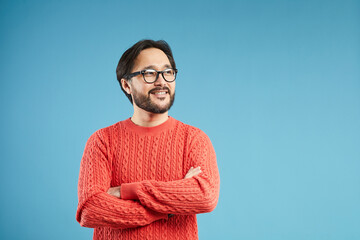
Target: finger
<point>189,175</point>
<point>194,173</point>
<point>195,170</point>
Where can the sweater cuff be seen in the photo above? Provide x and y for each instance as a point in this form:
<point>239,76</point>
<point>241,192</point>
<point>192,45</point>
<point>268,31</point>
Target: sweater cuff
<point>128,191</point>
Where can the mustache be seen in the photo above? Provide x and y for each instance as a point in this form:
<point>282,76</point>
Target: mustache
<point>159,89</point>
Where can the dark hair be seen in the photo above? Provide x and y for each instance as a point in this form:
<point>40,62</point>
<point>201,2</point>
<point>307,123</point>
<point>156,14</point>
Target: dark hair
<point>127,60</point>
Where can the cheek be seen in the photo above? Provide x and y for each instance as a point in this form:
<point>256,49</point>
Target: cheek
<point>144,90</point>
<point>172,87</point>
<point>136,87</point>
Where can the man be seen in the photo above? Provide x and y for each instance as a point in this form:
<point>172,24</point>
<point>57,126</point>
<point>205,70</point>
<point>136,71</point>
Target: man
<point>148,176</point>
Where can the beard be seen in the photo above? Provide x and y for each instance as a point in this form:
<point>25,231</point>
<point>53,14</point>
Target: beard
<point>144,102</point>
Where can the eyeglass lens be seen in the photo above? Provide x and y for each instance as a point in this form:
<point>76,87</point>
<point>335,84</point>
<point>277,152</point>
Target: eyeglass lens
<point>151,75</point>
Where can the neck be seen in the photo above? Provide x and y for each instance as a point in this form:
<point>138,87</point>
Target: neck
<point>148,119</point>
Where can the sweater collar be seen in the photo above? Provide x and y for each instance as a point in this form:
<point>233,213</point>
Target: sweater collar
<point>149,130</point>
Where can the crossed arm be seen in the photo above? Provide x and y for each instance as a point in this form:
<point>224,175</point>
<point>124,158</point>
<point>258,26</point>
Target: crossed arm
<point>115,191</point>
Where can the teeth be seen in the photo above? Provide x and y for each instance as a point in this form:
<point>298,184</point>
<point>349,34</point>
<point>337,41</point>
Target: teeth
<point>160,93</point>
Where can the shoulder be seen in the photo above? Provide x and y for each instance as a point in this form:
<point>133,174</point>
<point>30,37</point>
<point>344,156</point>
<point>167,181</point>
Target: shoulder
<point>192,133</point>
<point>106,133</point>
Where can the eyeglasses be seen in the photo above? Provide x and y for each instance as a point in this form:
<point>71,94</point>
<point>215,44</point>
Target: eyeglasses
<point>151,75</point>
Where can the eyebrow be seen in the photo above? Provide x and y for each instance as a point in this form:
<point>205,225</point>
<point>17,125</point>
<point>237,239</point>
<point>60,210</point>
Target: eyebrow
<point>153,67</point>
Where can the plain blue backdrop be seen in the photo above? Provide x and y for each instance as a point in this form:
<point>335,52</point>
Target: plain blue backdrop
<point>275,85</point>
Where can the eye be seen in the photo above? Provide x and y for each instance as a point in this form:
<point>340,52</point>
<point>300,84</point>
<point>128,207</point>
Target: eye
<point>169,72</point>
<point>150,73</point>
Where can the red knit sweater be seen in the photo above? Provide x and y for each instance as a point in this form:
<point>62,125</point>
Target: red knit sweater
<point>149,163</point>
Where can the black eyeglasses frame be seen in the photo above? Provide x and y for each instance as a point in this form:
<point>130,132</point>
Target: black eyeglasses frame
<point>134,74</point>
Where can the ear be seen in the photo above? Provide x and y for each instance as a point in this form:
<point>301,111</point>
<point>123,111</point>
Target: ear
<point>126,86</point>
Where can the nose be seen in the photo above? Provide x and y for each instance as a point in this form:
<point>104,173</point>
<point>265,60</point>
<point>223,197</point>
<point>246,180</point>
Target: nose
<point>160,81</point>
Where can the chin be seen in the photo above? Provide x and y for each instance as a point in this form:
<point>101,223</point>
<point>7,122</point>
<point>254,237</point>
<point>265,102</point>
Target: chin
<point>157,105</point>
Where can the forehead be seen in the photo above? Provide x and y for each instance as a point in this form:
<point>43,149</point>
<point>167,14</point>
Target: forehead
<point>151,57</point>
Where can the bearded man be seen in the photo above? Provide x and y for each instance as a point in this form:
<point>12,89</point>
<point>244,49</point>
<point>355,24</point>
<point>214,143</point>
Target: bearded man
<point>148,176</point>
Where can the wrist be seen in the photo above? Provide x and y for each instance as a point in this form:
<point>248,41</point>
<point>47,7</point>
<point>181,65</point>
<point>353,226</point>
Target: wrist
<point>128,191</point>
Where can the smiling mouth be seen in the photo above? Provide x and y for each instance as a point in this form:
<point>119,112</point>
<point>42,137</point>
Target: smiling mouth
<point>159,92</point>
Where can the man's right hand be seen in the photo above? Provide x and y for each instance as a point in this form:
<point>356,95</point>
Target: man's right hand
<point>192,172</point>
<point>115,191</point>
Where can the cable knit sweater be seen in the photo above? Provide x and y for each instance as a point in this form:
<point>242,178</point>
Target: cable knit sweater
<point>150,164</point>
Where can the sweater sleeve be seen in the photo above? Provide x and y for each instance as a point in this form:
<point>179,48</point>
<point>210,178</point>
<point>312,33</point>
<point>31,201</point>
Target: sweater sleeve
<point>97,208</point>
<point>198,194</point>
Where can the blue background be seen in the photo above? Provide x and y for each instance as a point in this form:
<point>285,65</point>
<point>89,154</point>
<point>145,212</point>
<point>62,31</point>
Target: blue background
<point>275,85</point>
